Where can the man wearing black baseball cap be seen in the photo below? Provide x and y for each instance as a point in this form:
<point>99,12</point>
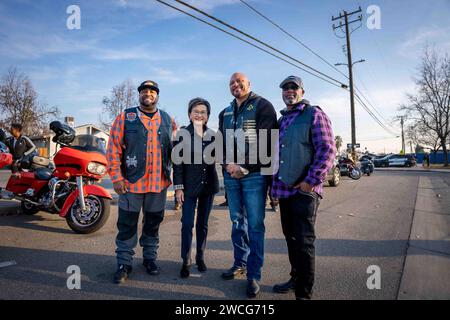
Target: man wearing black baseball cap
<point>149,84</point>
<point>139,165</point>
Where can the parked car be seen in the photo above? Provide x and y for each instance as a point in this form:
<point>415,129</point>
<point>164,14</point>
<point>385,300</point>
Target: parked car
<point>334,174</point>
<point>402,160</point>
<point>396,160</point>
<point>383,161</point>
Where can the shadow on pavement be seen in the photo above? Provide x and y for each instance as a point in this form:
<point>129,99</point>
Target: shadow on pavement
<point>345,247</point>
<point>30,222</point>
<point>41,278</point>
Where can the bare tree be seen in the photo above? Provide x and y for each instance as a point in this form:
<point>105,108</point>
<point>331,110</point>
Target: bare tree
<point>122,96</point>
<point>19,104</point>
<point>422,137</point>
<point>429,107</point>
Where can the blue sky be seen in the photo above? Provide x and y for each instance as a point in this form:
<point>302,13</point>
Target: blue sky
<point>140,40</point>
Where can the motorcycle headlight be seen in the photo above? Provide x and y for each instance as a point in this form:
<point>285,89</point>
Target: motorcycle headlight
<point>96,168</point>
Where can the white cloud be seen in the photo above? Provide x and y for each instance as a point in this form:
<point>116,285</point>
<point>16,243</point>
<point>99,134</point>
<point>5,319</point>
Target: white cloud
<point>184,75</point>
<point>433,35</point>
<point>139,53</point>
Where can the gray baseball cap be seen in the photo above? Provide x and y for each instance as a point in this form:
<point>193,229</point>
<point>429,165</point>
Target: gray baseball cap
<point>296,80</point>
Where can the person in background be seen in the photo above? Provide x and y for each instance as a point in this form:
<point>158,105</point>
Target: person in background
<point>20,146</point>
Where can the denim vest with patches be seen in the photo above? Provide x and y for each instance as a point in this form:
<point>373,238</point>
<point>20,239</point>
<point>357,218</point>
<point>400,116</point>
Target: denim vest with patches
<point>134,158</point>
<point>296,148</point>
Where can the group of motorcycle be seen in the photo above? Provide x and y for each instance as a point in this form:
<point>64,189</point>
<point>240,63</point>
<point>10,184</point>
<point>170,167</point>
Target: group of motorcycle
<point>349,167</point>
<point>65,186</point>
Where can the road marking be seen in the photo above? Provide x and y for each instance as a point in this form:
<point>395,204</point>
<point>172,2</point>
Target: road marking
<point>7,264</point>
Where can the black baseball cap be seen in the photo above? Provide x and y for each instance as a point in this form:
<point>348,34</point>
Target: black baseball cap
<point>149,84</point>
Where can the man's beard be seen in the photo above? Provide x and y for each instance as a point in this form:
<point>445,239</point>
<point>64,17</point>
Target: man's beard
<point>291,101</point>
<point>143,102</point>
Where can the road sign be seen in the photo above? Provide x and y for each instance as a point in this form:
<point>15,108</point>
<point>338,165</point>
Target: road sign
<point>357,145</point>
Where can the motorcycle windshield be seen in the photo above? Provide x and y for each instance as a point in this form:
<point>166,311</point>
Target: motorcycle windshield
<point>89,143</point>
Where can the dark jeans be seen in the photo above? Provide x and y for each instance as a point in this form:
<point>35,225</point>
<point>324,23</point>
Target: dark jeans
<point>298,216</point>
<point>126,239</point>
<point>201,226</point>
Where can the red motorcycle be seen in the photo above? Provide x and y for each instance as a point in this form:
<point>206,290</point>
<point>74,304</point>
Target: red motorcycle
<point>5,156</point>
<point>66,187</point>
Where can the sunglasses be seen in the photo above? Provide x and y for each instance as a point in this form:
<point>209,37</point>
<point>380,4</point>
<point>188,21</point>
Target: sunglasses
<point>290,87</point>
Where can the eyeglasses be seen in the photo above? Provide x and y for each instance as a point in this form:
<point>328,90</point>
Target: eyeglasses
<point>200,113</point>
<point>290,87</point>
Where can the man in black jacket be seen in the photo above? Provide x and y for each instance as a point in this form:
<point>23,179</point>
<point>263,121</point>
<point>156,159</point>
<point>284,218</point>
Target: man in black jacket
<point>19,146</point>
<point>240,125</point>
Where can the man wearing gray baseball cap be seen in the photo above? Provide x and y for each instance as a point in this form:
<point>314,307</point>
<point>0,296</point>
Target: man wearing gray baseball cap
<point>306,154</point>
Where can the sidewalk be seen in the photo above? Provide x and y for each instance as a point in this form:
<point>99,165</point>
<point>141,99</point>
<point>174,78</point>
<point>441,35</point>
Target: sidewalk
<point>426,273</point>
<point>413,169</point>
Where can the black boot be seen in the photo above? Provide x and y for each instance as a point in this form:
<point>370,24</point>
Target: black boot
<point>201,266</point>
<point>185,271</point>
<point>285,287</point>
<point>151,267</point>
<point>122,273</point>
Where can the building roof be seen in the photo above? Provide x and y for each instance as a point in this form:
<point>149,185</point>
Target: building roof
<point>92,126</point>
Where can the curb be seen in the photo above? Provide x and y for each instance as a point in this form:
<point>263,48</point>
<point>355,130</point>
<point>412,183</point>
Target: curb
<point>412,170</point>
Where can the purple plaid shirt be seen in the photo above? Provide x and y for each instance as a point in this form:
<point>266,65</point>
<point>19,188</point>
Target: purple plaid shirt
<point>324,154</point>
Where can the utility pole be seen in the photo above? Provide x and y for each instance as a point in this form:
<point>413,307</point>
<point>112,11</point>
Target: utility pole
<point>403,136</point>
<point>346,15</point>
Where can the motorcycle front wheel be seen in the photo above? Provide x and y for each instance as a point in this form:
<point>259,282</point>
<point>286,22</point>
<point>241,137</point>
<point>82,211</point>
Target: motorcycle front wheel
<point>95,216</point>
<point>355,174</point>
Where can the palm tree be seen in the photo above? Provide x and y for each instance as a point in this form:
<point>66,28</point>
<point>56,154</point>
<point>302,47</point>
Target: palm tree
<point>338,141</point>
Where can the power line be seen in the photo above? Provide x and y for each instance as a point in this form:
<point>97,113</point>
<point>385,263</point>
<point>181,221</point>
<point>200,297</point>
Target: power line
<point>257,40</point>
<point>380,123</point>
<point>248,42</point>
<point>320,57</point>
<point>272,54</point>
<point>293,37</point>
<point>370,104</point>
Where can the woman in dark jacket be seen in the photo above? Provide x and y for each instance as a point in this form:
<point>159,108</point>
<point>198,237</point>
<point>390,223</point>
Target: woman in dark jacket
<point>195,181</point>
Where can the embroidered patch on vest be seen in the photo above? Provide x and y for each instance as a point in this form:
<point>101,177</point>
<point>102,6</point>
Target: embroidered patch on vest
<point>131,116</point>
<point>131,162</point>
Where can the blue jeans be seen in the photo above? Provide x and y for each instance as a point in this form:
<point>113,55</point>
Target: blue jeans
<point>246,202</point>
<point>201,226</point>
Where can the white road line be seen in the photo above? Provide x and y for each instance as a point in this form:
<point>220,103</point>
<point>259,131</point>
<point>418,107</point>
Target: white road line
<point>7,264</point>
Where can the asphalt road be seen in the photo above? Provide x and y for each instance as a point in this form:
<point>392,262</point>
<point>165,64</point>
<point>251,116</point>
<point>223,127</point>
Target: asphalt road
<point>359,224</point>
